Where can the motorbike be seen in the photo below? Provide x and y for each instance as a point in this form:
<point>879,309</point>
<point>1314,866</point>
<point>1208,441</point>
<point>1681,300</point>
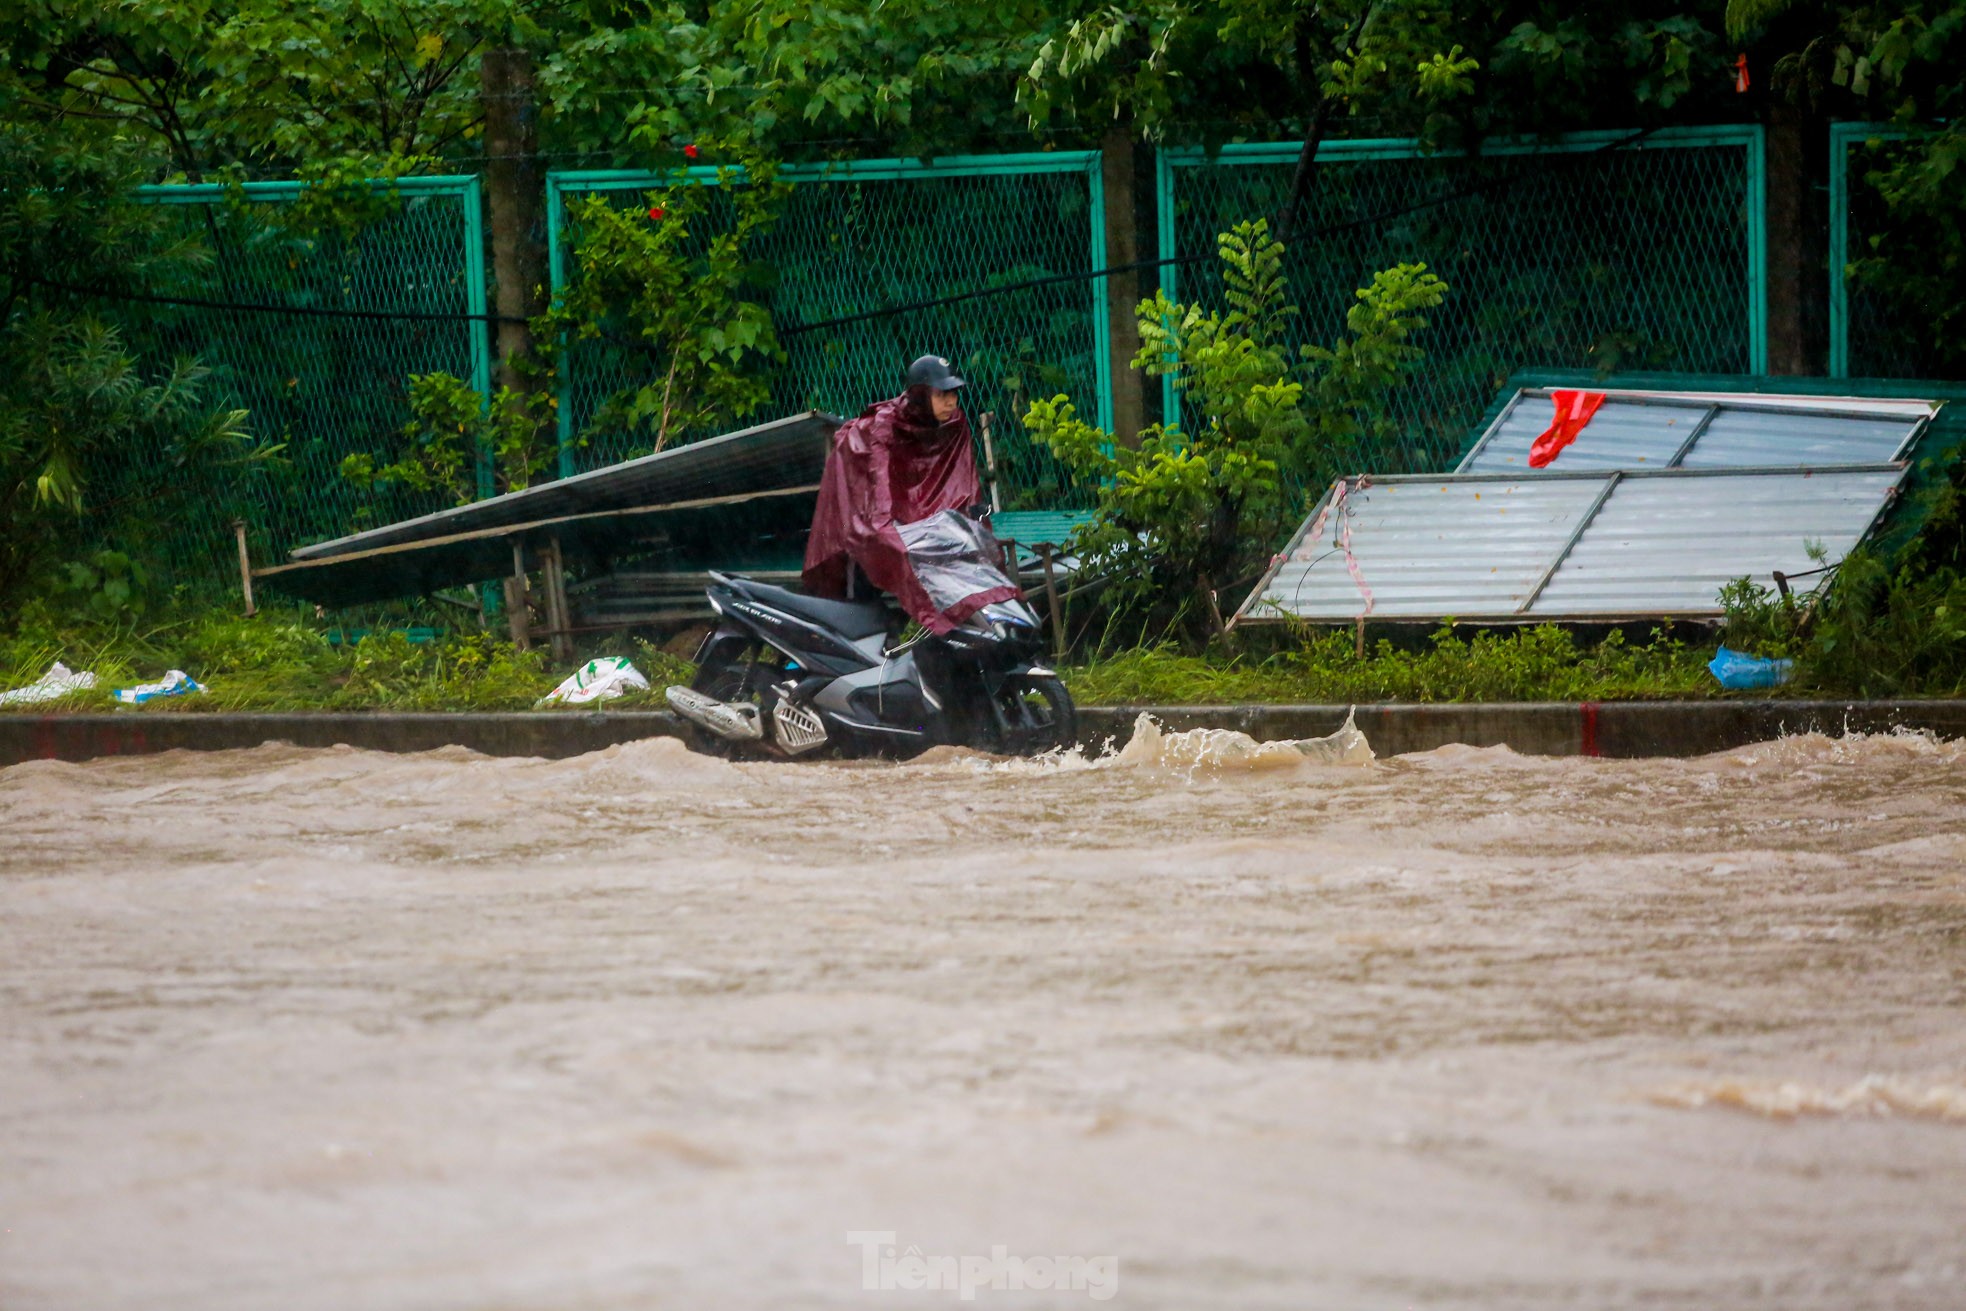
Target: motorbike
<point>783,674</point>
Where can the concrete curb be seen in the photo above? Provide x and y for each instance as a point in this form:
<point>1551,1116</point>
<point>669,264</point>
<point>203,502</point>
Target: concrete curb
<point>555,734</point>
<point>1610,728</point>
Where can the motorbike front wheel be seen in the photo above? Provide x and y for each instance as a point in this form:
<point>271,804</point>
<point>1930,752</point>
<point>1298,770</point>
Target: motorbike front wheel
<point>1035,715</point>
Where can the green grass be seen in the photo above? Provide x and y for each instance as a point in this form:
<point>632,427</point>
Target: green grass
<point>283,661</point>
<point>1536,664</point>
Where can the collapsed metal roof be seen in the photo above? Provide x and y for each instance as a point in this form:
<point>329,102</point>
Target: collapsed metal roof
<point>1663,498</point>
<point>769,456</point>
<point>1584,545</point>
<point>742,491</point>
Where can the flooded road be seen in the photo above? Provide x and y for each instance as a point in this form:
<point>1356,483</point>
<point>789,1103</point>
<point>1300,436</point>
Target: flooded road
<point>332,1029</point>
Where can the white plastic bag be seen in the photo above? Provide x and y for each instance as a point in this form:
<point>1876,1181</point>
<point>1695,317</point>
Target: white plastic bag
<point>57,683</point>
<point>598,680</point>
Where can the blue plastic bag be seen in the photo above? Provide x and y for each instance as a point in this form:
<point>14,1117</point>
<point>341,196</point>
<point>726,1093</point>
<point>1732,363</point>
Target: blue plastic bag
<point>175,683</point>
<point>1740,672</point>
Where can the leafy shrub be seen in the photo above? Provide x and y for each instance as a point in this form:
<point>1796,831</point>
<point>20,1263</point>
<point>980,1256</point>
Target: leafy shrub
<point>1538,664</point>
<point>1190,511</point>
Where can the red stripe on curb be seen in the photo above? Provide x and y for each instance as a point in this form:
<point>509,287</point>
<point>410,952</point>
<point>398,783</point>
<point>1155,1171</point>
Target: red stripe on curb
<point>1587,729</point>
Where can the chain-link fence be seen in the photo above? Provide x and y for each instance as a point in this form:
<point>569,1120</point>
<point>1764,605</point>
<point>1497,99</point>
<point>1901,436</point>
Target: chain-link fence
<point>1596,249</point>
<point>873,235</point>
<point>324,385</point>
<point>1873,334</point>
<point>1588,250</point>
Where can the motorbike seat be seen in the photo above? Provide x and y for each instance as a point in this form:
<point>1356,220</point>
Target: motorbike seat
<point>851,619</point>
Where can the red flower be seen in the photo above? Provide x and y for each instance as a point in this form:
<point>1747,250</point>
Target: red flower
<point>656,212</point>
<point>691,152</point>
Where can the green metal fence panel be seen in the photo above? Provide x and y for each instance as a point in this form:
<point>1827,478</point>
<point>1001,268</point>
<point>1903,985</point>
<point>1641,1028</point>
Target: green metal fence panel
<point>1588,249</point>
<point>325,386</point>
<point>1869,335</point>
<point>873,234</point>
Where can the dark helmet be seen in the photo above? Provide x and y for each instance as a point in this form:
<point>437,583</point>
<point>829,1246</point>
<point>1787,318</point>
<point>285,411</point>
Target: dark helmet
<point>933,371</point>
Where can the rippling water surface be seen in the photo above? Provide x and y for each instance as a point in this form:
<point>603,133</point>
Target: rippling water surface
<point>299,1029</point>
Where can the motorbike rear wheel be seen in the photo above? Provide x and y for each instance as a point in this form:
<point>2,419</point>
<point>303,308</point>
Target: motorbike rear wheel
<point>1037,715</point>
<point>724,673</point>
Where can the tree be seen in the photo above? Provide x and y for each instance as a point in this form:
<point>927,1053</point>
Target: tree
<point>681,284</point>
<point>1211,70</point>
<point>1904,64</point>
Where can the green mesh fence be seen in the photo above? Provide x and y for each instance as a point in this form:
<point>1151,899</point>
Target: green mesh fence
<point>1584,251</point>
<point>325,387</point>
<point>1873,335</point>
<point>875,234</point>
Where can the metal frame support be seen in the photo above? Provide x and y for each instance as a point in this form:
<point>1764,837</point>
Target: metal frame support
<point>559,622</point>
<point>1170,281</point>
<point>245,566</point>
<point>1757,220</point>
<point>1843,138</point>
<point>517,606</point>
<point>1048,552</point>
<point>1699,431</point>
<point>1576,535</point>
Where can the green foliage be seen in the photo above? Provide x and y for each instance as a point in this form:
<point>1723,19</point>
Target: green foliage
<point>1231,69</point>
<point>681,280</point>
<point>1164,67</point>
<point>469,671</point>
<point>74,400</point>
<point>267,84</point>
<point>109,584</point>
<point>1537,664</point>
<point>1189,511</point>
<point>257,82</point>
<point>1878,626</point>
<point>76,391</point>
<point>452,432</point>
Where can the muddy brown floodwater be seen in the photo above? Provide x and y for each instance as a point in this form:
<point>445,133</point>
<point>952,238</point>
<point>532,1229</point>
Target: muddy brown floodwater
<point>1196,1028</point>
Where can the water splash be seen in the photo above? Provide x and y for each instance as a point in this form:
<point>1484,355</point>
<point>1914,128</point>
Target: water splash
<point>1225,750</point>
<point>1872,1095</point>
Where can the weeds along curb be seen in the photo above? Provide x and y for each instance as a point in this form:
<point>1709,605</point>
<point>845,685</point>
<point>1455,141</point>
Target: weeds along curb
<point>1610,728</point>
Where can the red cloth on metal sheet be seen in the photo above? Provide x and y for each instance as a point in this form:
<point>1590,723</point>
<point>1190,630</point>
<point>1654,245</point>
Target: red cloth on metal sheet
<point>892,465</point>
<point>1573,410</point>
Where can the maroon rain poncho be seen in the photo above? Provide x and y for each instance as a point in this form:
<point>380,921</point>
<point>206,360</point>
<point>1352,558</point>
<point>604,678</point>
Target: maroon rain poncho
<point>891,466</point>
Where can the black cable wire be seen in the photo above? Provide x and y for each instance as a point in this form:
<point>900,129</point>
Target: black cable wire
<point>299,311</point>
<point>889,311</point>
<point>1200,257</point>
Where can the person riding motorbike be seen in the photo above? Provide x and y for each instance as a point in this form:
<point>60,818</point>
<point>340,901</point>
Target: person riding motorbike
<point>898,463</point>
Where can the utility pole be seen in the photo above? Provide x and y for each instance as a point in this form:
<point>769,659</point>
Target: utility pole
<point>515,192</point>
<point>1796,246</point>
<point>1120,160</point>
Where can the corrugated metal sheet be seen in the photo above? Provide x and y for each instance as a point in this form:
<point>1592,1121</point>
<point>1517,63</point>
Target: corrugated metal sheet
<point>1747,438</point>
<point>1431,547</point>
<point>1639,430</point>
<point>1598,545</point>
<point>767,525</point>
<point>1037,527</point>
<point>1668,545</point>
<point>1623,434</point>
<point>784,453</point>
